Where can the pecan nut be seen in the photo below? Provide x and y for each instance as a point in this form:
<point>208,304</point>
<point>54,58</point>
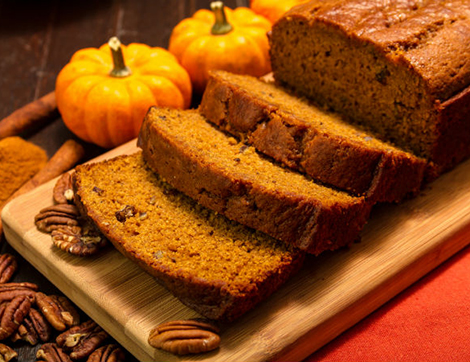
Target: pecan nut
<point>63,190</point>
<point>6,353</point>
<point>56,216</point>
<point>184,337</point>
<point>108,353</point>
<point>13,315</point>
<point>8,291</point>
<point>82,340</point>
<point>8,266</point>
<point>51,352</point>
<point>58,311</point>
<point>125,213</point>
<point>34,328</point>
<point>83,241</point>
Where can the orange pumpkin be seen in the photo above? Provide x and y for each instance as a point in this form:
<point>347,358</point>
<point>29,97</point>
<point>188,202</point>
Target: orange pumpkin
<point>222,39</point>
<point>273,10</point>
<point>103,94</point>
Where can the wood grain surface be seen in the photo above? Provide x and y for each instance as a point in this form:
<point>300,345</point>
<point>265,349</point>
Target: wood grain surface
<point>400,244</point>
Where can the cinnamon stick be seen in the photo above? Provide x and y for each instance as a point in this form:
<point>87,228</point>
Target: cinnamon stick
<point>63,160</point>
<point>33,115</point>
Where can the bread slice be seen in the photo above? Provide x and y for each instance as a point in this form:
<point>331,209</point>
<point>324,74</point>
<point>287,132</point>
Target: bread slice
<point>219,268</point>
<point>233,179</point>
<point>309,139</point>
<point>399,67</point>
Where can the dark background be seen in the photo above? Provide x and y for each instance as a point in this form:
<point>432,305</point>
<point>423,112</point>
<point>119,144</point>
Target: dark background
<point>37,39</point>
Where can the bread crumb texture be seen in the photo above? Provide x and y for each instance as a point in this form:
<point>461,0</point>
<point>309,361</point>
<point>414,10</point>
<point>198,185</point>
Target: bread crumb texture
<point>169,231</point>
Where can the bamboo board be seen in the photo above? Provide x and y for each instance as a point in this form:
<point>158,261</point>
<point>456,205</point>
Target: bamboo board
<point>400,244</point>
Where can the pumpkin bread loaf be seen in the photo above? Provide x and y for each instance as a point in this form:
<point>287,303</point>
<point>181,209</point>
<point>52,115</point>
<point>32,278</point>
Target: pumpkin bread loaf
<point>215,266</point>
<point>232,179</point>
<point>309,139</point>
<point>399,67</point>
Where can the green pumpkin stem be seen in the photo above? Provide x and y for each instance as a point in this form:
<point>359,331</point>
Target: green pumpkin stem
<point>221,25</point>
<point>120,70</point>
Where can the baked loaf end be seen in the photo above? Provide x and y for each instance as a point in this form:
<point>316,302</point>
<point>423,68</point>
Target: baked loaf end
<point>215,266</point>
<point>232,179</point>
<point>401,68</point>
<point>307,138</point>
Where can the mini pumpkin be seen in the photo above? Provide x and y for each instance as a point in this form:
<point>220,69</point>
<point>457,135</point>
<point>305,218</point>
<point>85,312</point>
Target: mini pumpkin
<point>273,10</point>
<point>103,94</point>
<point>221,39</point>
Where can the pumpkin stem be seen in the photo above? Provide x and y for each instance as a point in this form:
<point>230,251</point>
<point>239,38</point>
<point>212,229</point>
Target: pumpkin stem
<point>120,69</point>
<point>221,25</point>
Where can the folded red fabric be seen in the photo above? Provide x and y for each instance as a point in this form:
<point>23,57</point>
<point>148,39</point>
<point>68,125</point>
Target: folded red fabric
<point>428,322</point>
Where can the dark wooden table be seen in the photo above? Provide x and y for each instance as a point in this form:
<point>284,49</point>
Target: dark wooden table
<point>37,38</point>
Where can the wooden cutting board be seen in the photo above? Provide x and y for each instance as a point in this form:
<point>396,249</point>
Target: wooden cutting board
<point>400,244</point>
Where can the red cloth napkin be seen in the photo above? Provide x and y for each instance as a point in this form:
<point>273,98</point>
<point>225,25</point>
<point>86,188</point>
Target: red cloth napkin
<point>428,322</point>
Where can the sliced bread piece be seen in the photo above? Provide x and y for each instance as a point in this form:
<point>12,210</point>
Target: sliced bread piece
<point>233,179</point>
<point>309,139</point>
<point>215,266</point>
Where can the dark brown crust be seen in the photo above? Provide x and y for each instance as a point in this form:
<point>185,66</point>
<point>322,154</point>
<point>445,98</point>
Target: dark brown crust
<point>328,158</point>
<point>212,300</point>
<point>453,144</point>
<point>304,222</point>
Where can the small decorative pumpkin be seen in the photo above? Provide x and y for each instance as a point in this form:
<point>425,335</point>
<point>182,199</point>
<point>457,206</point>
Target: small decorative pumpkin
<point>103,94</point>
<point>273,10</point>
<point>224,39</point>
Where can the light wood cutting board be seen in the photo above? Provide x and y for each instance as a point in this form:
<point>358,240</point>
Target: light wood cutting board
<point>332,292</point>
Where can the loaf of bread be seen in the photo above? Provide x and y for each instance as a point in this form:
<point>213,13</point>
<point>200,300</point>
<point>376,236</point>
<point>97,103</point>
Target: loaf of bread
<point>307,138</point>
<point>217,267</point>
<point>233,179</point>
<point>399,67</point>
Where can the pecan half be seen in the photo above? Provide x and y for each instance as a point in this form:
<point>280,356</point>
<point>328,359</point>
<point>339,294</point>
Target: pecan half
<point>6,353</point>
<point>108,353</point>
<point>58,310</point>
<point>53,217</point>
<point>63,190</point>
<point>184,337</point>
<point>81,242</point>
<point>50,352</point>
<point>8,266</point>
<point>34,328</point>
<point>8,291</point>
<point>82,340</point>
<point>13,315</point>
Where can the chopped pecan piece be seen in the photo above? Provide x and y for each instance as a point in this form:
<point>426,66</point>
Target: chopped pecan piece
<point>108,353</point>
<point>8,291</point>
<point>63,190</point>
<point>83,241</point>
<point>82,340</point>
<point>8,266</point>
<point>34,328</point>
<point>125,213</point>
<point>56,216</point>
<point>58,310</point>
<point>184,337</point>
<point>6,353</point>
<point>13,315</point>
<point>51,352</point>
